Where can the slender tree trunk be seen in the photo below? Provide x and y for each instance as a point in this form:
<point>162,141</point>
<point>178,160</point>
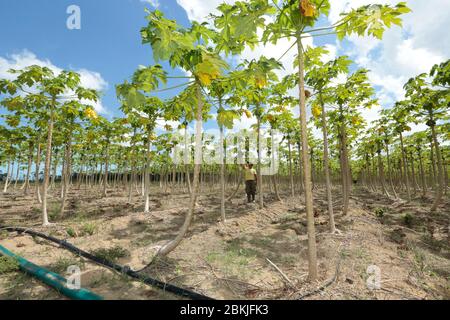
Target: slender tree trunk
<point>274,170</point>
<point>222,173</point>
<point>381,173</point>
<point>16,179</point>
<point>48,156</point>
<point>312,251</point>
<point>413,173</point>
<point>291,175</point>
<point>66,174</point>
<point>422,172</point>
<point>106,173</point>
<point>187,158</point>
<point>440,189</point>
<point>345,170</point>
<point>198,160</point>
<point>132,175</point>
<point>405,167</point>
<point>326,164</point>
<point>27,179</point>
<point>37,167</point>
<point>390,171</point>
<point>8,176</point>
<point>55,166</point>
<point>300,167</point>
<point>433,163</point>
<point>260,190</point>
<point>147,176</point>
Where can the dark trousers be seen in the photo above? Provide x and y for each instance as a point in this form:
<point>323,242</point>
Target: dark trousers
<point>250,189</point>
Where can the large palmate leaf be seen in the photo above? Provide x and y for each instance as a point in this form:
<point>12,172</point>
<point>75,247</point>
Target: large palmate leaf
<point>371,20</point>
<point>148,79</point>
<point>210,68</point>
<point>165,36</point>
<point>226,118</point>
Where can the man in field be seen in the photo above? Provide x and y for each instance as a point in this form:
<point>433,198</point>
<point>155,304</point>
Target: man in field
<point>250,182</point>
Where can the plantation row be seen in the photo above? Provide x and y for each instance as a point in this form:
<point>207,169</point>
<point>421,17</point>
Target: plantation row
<point>50,124</point>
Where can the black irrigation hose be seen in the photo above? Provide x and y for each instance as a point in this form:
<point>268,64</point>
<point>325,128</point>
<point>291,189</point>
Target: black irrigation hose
<point>185,293</point>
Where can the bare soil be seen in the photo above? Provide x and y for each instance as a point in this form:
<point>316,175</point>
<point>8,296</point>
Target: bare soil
<point>405,241</point>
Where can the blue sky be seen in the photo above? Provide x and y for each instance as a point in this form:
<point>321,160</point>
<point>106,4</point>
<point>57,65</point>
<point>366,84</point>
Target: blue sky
<point>108,43</point>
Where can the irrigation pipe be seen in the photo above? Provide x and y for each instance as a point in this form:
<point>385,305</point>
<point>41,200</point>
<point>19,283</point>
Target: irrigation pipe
<point>185,293</point>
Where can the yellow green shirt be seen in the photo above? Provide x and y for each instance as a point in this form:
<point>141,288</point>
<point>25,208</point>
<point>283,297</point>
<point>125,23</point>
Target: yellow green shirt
<point>249,174</point>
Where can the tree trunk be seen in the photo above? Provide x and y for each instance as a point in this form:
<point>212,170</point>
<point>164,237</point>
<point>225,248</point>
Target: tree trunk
<point>37,167</point>
<point>312,251</point>
<point>405,168</point>
<point>274,172</point>
<point>198,160</point>
<point>440,177</point>
<point>147,177</point>
<point>8,175</point>
<point>222,174</point>
<point>381,173</point>
<point>66,174</point>
<point>16,179</point>
<point>132,169</point>
<point>345,170</point>
<point>291,175</point>
<point>422,172</point>
<point>55,166</point>
<point>27,179</point>
<point>390,170</point>
<point>48,156</point>
<point>260,190</point>
<point>106,173</point>
<point>326,165</point>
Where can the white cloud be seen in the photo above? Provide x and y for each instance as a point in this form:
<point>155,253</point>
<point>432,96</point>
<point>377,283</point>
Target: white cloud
<point>404,52</point>
<point>88,79</point>
<point>244,123</point>
<point>22,60</point>
<point>332,53</point>
<point>161,124</point>
<point>153,3</point>
<point>199,10</point>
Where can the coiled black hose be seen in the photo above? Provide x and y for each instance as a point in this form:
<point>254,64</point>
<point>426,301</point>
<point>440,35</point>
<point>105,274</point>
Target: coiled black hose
<point>185,293</point>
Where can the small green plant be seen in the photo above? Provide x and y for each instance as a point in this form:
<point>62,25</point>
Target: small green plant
<point>8,264</point>
<point>62,264</point>
<point>419,260</point>
<point>111,254</point>
<point>71,232</point>
<point>408,220</point>
<point>53,211</point>
<point>89,229</point>
<point>3,235</point>
<point>379,212</point>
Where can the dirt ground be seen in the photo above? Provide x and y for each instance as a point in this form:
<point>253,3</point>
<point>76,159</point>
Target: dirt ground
<point>408,244</point>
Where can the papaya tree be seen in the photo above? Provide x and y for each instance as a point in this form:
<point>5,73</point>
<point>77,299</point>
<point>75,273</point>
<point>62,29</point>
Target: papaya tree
<point>185,48</point>
<point>319,76</point>
<point>431,106</point>
<point>146,109</point>
<point>52,91</point>
<point>220,89</point>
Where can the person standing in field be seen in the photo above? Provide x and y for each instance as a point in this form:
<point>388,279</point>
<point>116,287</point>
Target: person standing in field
<point>250,182</point>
